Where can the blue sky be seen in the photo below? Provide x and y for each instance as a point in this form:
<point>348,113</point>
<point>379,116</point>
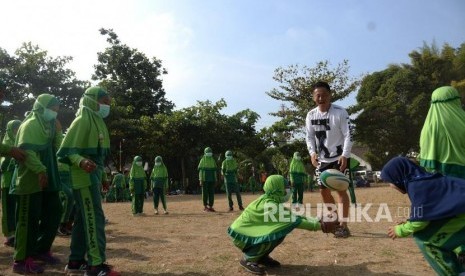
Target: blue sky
<point>229,49</point>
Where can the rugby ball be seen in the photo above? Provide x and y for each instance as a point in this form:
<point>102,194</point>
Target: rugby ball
<point>334,180</point>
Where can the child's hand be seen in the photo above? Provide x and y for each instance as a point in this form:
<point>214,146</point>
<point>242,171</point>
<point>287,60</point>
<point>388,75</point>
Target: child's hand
<point>43,180</point>
<point>392,233</point>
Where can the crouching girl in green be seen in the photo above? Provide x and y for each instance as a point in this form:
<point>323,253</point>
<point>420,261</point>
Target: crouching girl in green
<point>137,186</point>
<point>437,219</point>
<point>259,229</point>
<point>159,183</point>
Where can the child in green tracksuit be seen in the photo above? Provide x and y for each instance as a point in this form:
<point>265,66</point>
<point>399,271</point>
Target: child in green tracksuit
<point>8,201</point>
<point>118,184</point>
<point>265,223</point>
<point>207,177</point>
<point>159,183</point>
<point>137,186</point>
<point>84,149</point>
<point>298,176</point>
<point>36,184</point>
<point>229,172</point>
<point>437,213</point>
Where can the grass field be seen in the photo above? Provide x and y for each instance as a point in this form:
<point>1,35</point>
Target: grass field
<point>189,241</point>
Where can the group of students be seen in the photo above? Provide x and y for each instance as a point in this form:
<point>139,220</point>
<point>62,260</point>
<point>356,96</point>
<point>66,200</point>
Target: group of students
<point>34,182</point>
<point>435,185</point>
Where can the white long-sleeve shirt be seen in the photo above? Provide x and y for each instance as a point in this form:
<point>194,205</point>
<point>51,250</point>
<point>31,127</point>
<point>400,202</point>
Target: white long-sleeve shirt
<point>328,133</point>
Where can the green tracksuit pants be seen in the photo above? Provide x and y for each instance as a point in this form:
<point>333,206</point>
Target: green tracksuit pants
<point>438,241</point>
<point>298,193</point>
<point>38,217</point>
<point>233,187</point>
<point>67,201</point>
<point>138,203</point>
<point>253,253</point>
<point>88,236</point>
<point>8,213</point>
<point>159,194</point>
<point>208,193</point>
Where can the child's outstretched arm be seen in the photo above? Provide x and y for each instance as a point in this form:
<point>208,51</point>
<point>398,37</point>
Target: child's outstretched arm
<point>406,229</point>
<point>315,224</point>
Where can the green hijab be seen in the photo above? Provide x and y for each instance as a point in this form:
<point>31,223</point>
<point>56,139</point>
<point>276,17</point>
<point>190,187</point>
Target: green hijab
<point>159,170</point>
<point>229,164</point>
<point>37,133</point>
<point>297,166</point>
<point>207,162</point>
<point>88,134</point>
<point>10,135</point>
<point>255,225</point>
<point>136,170</point>
<point>9,139</point>
<point>442,139</point>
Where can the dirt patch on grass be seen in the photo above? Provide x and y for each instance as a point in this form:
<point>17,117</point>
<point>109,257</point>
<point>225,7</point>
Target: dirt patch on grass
<point>189,241</point>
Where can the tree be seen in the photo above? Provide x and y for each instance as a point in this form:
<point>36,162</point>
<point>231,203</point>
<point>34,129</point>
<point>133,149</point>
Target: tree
<point>296,89</point>
<point>393,103</point>
<point>133,80</point>
<point>31,72</point>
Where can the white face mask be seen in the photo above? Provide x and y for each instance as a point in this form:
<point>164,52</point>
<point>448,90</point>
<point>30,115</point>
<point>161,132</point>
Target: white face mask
<point>286,197</point>
<point>229,157</point>
<point>139,163</point>
<point>209,154</point>
<point>157,163</point>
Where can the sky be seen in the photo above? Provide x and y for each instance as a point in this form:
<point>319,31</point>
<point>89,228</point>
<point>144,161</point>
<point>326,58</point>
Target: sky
<point>229,49</point>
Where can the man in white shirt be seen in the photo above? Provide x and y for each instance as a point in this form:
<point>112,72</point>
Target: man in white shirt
<point>329,142</point>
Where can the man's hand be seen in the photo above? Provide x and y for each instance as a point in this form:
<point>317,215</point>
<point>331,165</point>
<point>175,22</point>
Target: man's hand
<point>18,154</point>
<point>342,163</point>
<point>201,183</point>
<point>314,159</point>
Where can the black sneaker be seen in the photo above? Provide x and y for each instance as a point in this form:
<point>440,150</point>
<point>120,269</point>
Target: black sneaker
<point>252,267</point>
<point>76,267</point>
<point>241,208</point>
<point>101,270</point>
<point>342,232</point>
<point>231,209</point>
<point>269,262</point>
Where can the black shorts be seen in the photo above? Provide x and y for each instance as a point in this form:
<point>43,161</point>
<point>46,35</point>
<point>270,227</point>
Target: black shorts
<point>325,166</point>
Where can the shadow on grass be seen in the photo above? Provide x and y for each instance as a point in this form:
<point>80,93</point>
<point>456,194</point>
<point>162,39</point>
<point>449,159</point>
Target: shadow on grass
<point>359,269</point>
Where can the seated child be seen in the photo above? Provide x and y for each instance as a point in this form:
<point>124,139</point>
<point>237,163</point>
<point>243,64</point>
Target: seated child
<point>260,227</point>
<point>437,215</point>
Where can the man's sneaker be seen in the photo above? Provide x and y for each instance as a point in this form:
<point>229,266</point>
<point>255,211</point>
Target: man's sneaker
<point>27,266</point>
<point>101,270</point>
<point>342,232</point>
<point>76,267</point>
<point>231,209</point>
<point>156,212</point>
<point>10,241</point>
<point>165,212</point>
<point>211,209</point>
<point>269,262</point>
<point>47,258</point>
<point>241,208</point>
<point>206,209</point>
<point>252,267</point>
